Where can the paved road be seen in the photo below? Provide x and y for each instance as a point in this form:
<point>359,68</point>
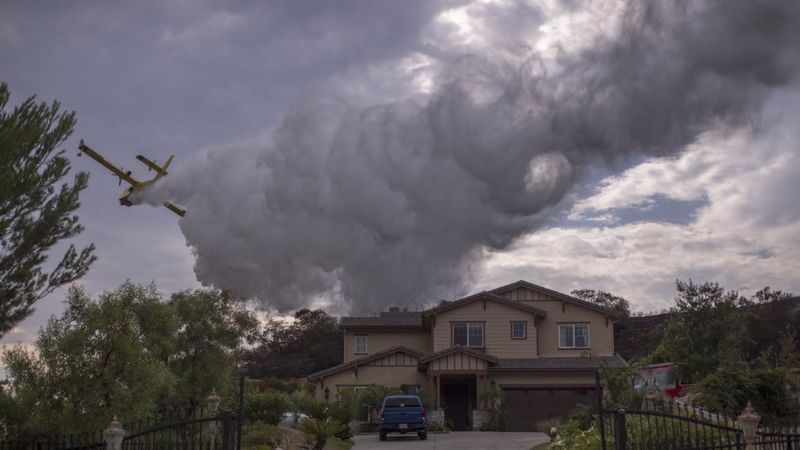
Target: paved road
<point>456,440</point>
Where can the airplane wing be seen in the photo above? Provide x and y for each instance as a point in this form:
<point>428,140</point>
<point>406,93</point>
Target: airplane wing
<point>122,174</point>
<point>151,165</point>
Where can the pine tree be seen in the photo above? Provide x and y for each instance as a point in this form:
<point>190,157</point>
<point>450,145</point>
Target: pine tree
<point>36,206</point>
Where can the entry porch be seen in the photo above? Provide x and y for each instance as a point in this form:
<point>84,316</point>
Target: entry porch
<point>457,377</point>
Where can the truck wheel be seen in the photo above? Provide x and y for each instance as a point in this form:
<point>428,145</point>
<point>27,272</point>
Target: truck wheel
<point>382,435</point>
<point>423,435</point>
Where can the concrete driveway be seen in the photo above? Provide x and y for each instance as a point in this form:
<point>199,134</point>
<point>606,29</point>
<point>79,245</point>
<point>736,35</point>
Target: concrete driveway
<point>460,440</point>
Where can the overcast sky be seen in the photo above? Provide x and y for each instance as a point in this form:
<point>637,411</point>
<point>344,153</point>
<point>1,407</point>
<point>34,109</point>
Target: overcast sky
<point>204,80</point>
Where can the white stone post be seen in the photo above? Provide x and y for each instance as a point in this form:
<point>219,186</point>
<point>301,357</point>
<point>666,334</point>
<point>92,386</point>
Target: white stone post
<point>748,421</point>
<point>213,402</point>
<point>113,435</point>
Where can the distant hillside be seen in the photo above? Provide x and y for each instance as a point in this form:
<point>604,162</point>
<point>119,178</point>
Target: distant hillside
<point>637,337</point>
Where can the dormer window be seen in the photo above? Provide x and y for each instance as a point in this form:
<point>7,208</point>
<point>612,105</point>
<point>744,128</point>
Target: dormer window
<point>573,335</point>
<point>361,345</point>
<point>468,334</point>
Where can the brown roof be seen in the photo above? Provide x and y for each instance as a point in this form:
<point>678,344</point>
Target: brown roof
<point>556,294</point>
<point>486,296</point>
<point>458,349</point>
<point>363,360</point>
<point>386,320</point>
<point>561,363</point>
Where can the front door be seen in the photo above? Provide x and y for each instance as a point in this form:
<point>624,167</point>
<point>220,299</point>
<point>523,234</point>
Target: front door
<point>456,408</point>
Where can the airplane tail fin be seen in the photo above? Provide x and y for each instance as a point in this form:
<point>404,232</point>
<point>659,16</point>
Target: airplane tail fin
<point>166,164</point>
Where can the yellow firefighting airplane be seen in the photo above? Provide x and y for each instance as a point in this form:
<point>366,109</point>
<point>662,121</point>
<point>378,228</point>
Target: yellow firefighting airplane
<point>125,175</point>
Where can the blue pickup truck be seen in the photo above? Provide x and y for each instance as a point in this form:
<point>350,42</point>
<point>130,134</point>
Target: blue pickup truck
<point>403,414</point>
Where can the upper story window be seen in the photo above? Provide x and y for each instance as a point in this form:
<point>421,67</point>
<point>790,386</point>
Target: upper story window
<point>468,334</point>
<point>573,335</point>
<point>519,330</point>
<point>361,344</point>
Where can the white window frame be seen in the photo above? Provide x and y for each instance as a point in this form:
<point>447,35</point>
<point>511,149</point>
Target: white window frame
<point>470,325</point>
<point>524,330</point>
<point>355,346</point>
<point>572,326</point>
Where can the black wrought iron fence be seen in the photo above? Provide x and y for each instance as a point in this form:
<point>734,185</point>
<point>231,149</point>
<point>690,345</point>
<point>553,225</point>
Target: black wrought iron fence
<point>197,432</point>
<point>82,441</point>
<point>671,428</point>
<point>778,437</point>
<point>200,433</point>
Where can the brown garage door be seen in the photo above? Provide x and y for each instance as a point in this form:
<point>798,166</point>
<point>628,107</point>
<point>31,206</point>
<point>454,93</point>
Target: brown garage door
<point>528,406</point>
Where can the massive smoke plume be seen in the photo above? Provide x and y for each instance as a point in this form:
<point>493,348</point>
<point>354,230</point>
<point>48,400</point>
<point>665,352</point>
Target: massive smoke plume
<point>397,203</point>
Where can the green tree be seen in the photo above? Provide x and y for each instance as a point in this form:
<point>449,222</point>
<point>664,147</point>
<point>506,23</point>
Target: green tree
<point>311,342</point>
<point>130,353</point>
<point>206,345</point>
<point>613,302</point>
<point>36,212</point>
<point>705,329</point>
<point>91,363</point>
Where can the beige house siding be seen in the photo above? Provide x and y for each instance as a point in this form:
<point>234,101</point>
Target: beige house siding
<point>394,376</point>
<point>457,362</point>
<point>378,340</point>
<point>522,293</point>
<point>544,379</point>
<point>497,328</point>
<point>601,329</point>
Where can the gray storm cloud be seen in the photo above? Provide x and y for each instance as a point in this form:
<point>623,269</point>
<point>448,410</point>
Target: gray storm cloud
<point>397,203</point>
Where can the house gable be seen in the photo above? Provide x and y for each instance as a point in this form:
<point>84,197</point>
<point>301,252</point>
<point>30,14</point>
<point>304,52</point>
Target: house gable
<point>496,315</point>
<point>531,294</point>
<point>484,297</point>
<point>392,357</point>
<point>457,360</point>
<point>564,310</point>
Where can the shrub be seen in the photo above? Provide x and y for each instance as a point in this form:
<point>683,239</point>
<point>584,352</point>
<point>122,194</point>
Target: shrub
<point>571,437</point>
<point>299,401</point>
<point>343,415</point>
<point>498,414</point>
<point>437,427</point>
<point>257,436</point>
<point>549,426</point>
<point>320,430</point>
<point>267,406</point>
<point>731,386</point>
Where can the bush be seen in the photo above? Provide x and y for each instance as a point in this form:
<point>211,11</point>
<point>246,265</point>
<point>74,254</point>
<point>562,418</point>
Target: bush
<point>276,384</point>
<point>731,386</point>
<point>299,401</point>
<point>437,428</point>
<point>498,414</point>
<point>571,437</point>
<point>343,415</point>
<point>549,426</point>
<point>268,406</point>
<point>320,430</point>
<point>257,436</point>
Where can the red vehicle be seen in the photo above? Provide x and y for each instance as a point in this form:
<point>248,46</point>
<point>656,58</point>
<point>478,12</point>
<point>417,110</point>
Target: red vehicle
<point>663,377</point>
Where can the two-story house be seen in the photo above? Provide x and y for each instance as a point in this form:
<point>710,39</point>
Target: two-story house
<point>541,347</point>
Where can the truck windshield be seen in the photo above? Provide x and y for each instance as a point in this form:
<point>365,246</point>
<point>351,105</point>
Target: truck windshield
<point>402,402</point>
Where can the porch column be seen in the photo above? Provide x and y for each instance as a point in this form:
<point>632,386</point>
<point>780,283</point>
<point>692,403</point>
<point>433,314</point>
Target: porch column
<point>438,388</point>
<point>481,387</point>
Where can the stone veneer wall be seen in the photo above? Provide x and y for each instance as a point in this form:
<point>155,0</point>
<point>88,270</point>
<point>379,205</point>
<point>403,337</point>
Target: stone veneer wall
<point>479,418</point>
<point>436,416</point>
